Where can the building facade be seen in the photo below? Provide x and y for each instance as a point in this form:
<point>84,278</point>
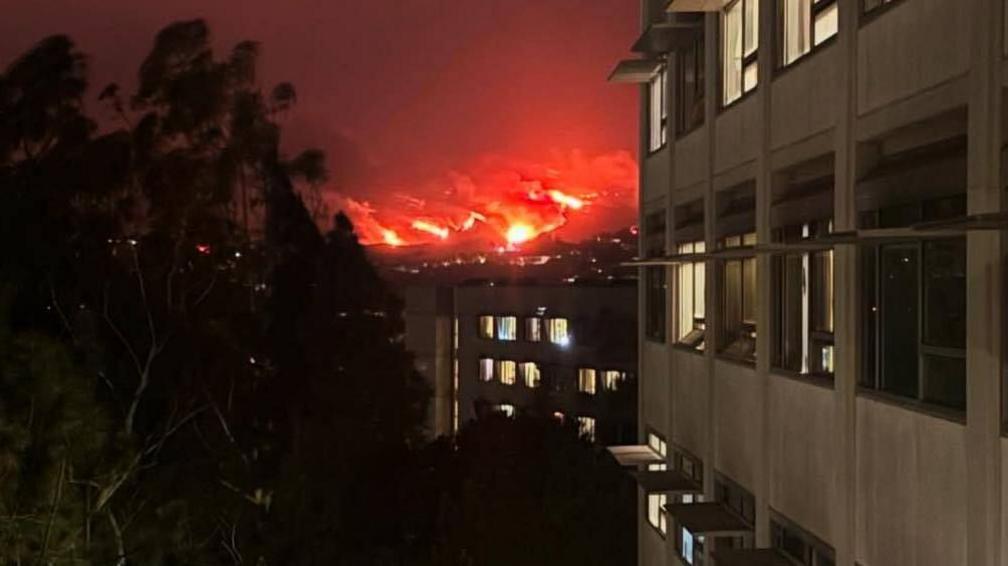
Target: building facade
<point>566,350</point>
<point>822,282</point>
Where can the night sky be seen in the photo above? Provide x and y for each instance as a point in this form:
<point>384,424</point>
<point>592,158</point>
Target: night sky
<point>439,111</point>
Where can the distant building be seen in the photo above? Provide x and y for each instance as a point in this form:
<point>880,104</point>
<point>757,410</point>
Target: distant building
<point>564,350</point>
<point>822,212</point>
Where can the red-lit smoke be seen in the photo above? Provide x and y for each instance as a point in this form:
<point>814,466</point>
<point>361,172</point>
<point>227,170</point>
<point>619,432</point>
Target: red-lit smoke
<point>505,201</point>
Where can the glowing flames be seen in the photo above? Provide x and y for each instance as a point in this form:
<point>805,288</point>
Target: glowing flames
<point>519,234</point>
<point>503,202</point>
<point>431,228</point>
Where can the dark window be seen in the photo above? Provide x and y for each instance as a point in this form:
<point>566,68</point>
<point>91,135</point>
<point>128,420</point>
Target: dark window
<point>655,303</point>
<point>738,500</point>
<point>798,544</point>
<point>870,5</point>
<point>654,234</point>
<point>690,86</point>
<point>738,300</point>
<point>915,326</point>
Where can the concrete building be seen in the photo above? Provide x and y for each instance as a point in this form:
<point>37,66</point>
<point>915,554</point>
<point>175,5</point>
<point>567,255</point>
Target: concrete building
<point>568,350</point>
<point>822,294</point>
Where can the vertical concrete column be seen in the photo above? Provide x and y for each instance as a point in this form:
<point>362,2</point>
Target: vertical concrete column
<point>642,146</point>
<point>712,101</point>
<point>671,100</point>
<point>984,297</point>
<point>847,296</point>
<point>764,189</point>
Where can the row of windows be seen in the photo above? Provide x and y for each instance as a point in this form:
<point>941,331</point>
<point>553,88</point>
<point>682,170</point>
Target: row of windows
<point>510,372</point>
<point>585,425</point>
<point>505,328</point>
<point>796,543</point>
<point>803,26</point>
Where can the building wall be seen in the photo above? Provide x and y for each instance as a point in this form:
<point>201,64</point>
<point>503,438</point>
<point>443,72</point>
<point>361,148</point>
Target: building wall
<point>883,482</point>
<point>603,312</point>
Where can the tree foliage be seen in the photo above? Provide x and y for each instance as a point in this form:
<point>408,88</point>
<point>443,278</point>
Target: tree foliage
<point>191,372</point>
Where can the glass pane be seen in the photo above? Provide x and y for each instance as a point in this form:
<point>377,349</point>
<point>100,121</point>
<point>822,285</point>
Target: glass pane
<point>826,24</point>
<point>749,291</point>
<point>655,303</point>
<point>751,76</point>
<point>732,300</point>
<point>751,26</point>
<point>869,320</point>
<point>899,320</point>
<point>685,302</point>
<point>790,308</point>
<point>731,53</point>
<point>822,291</point>
<point>945,293</point>
<point>699,310</point>
<point>797,22</point>
<point>945,381</point>
<point>655,111</point>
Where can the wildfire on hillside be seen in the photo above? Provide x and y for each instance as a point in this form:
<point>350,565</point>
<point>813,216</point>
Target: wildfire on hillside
<point>503,201</point>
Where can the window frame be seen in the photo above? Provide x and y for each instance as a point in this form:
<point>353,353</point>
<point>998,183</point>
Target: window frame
<point>524,374</point>
<point>655,502</point>
<point>587,380</point>
<point>659,142</point>
<point>871,378</point>
<point>587,427</point>
<point>565,339</point>
<point>815,549</point>
<point>498,320</point>
<point>480,319</point>
<point>695,339</point>
<point>746,332</point>
<point>655,303</point>
<point>509,378</point>
<point>680,458</point>
<point>696,52</point>
<point>816,7</point>
<point>536,323</point>
<point>751,59</point>
<point>811,338</point>
<point>492,373</point>
<point>867,14</point>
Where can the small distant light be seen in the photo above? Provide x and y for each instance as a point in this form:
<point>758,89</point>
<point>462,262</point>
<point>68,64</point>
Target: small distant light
<point>252,360</point>
<point>203,248</point>
<point>564,341</point>
<point>238,254</point>
<point>131,242</point>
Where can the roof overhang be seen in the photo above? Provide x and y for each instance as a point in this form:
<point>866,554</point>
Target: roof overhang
<point>666,481</point>
<point>695,5</point>
<point>665,37</point>
<point>709,518</point>
<point>750,557</point>
<point>635,455</point>
<point>634,71</point>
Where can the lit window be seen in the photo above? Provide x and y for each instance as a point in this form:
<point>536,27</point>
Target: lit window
<point>506,409</point>
<point>691,316</point>
<point>740,40</point>
<point>506,371</point>
<point>806,23</point>
<point>586,381</point>
<point>657,111</point>
<point>533,329</point>
<point>486,327</point>
<point>739,302</point>
<point>455,333</point>
<point>556,331</point>
<point>486,369</point>
<point>530,374</point>
<point>688,545</point>
<point>586,427</point>
<point>611,379</point>
<point>803,284</point>
<point>507,328</point>
<point>656,501</point>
